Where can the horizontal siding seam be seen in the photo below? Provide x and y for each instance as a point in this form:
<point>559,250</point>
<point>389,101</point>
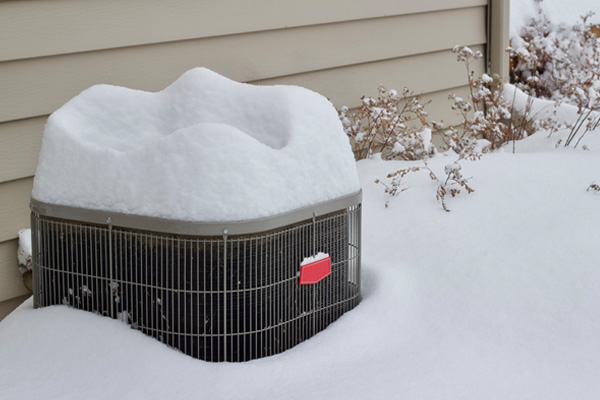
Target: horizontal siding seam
<point>312,71</point>
<point>483,3</point>
<point>234,34</point>
<point>366,63</point>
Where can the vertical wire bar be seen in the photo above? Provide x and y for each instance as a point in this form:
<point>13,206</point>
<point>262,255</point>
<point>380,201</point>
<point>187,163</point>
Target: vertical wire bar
<point>136,265</point>
<point>241,298</point>
<point>153,282</point>
<point>258,297</point>
<point>171,290</point>
<point>156,294</point>
<point>37,259</point>
<point>219,293</point>
<point>325,294</point>
<point>196,317</point>
<point>34,258</point>
<point>268,267</point>
<point>205,321</point>
<point>279,303</point>
<point>271,275</point>
<point>187,294</point>
<point>291,269</point>
<point>143,324</point>
<point>247,284</point>
<point>63,263</point>
<point>67,268</point>
<point>93,240</point>
<point>254,294</point>
<point>264,305</point>
<point>79,265</point>
<point>159,296</point>
<point>46,258</point>
<point>235,278</point>
<point>46,248</point>
<point>75,267</point>
<point>54,261</point>
<point>176,267</point>
<point>51,272</point>
<point>110,270</point>
<point>359,247</point>
<point>315,307</point>
<point>50,296</point>
<point>57,262</point>
<point>88,266</point>
<point>213,298</point>
<point>225,294</point>
<point>60,270</point>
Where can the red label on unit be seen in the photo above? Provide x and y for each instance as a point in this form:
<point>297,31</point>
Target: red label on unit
<point>315,271</point>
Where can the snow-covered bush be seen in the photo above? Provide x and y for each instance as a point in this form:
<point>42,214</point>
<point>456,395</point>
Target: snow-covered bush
<point>560,62</point>
<point>398,126</point>
<point>486,114</point>
<point>394,124</point>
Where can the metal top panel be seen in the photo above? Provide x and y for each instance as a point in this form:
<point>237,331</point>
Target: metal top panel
<point>179,227</point>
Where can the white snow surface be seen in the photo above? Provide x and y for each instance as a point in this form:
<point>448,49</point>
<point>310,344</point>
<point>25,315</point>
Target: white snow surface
<point>319,256</point>
<point>206,148</point>
<point>497,299</point>
<point>425,136</point>
<point>541,108</point>
<point>557,11</point>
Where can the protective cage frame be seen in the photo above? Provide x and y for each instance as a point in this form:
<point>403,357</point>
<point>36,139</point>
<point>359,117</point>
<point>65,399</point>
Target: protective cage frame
<point>217,291</point>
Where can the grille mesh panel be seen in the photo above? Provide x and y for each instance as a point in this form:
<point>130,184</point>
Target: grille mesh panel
<point>232,298</point>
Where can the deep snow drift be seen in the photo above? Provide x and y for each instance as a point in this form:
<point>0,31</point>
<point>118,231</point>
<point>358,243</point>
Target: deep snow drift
<point>204,149</point>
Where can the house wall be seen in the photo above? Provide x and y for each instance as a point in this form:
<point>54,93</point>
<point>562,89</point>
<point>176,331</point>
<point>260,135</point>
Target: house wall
<point>52,50</point>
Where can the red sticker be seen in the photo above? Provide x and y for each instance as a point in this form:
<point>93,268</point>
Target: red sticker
<point>315,271</point>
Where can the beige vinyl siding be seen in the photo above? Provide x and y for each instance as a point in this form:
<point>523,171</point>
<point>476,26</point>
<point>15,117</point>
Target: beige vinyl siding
<point>51,51</point>
<point>8,306</point>
<point>20,143</point>
<point>34,87</point>
<point>69,26</point>
<point>14,207</point>
<point>12,283</point>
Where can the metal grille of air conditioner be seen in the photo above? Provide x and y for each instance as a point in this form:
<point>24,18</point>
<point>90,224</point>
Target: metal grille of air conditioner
<point>216,298</point>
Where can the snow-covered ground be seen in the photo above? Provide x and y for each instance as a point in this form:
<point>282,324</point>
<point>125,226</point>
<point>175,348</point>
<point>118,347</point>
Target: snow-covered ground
<point>497,299</point>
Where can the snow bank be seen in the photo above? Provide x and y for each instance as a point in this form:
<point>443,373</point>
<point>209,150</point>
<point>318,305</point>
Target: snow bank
<point>558,11</point>
<point>565,113</point>
<point>204,149</point>
<point>540,108</point>
<point>24,251</point>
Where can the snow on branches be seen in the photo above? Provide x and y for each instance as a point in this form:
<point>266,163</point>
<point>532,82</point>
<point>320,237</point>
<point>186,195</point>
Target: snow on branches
<point>486,114</point>
<point>560,62</point>
<point>393,124</point>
